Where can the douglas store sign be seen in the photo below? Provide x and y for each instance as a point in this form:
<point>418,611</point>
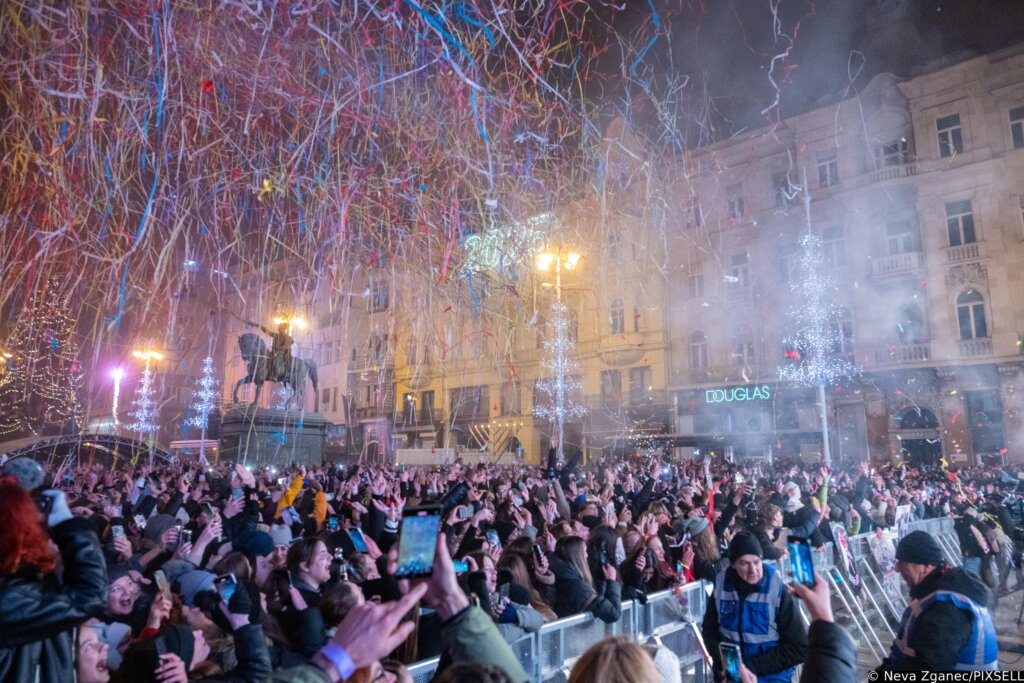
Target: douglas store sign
<point>757,392</point>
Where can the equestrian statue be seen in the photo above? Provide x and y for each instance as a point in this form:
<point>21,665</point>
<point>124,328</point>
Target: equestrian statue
<point>276,366</point>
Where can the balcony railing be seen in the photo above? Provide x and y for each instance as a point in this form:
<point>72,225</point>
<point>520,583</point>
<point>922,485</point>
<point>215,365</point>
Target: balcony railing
<point>887,173</point>
<point>699,375</point>
<point>897,264</point>
<point>903,353</point>
<point>971,348</point>
<point>964,252</point>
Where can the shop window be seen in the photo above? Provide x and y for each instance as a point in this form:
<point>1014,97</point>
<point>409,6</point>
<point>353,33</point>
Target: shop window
<point>970,315</point>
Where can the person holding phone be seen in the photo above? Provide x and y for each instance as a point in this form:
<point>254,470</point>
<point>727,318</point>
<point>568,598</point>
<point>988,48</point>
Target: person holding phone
<point>751,608</point>
<point>40,609</point>
<point>309,562</point>
<point>831,652</point>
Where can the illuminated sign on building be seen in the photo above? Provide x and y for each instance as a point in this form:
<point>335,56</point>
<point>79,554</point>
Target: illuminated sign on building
<point>757,392</point>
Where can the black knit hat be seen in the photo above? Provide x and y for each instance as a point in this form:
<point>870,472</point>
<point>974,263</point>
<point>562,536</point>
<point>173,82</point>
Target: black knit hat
<point>744,543</point>
<point>918,547</point>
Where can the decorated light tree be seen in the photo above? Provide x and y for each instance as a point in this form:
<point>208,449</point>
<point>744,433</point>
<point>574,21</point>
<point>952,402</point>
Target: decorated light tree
<point>143,412</point>
<point>814,357</point>
<point>42,378</point>
<point>205,396</point>
<point>559,384</point>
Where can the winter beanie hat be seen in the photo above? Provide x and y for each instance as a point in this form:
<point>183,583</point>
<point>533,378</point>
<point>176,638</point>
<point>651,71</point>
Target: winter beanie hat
<point>744,543</point>
<point>918,547</point>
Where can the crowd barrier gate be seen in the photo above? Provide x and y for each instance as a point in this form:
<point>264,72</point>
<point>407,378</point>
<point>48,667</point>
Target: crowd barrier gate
<point>549,654</point>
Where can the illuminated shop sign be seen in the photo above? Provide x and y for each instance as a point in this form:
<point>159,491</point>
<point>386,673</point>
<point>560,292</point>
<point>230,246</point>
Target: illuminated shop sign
<point>757,392</point>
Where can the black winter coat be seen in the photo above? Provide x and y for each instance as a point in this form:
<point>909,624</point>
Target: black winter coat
<point>831,654</point>
<point>573,595</point>
<point>38,617</point>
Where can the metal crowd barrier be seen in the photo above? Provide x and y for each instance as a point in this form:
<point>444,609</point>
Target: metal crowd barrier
<point>549,654</point>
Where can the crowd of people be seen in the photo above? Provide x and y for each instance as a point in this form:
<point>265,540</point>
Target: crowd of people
<point>182,572</point>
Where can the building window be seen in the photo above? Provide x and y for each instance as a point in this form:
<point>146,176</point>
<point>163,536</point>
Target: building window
<point>734,195</point>
<point>828,168</point>
<point>636,316</point>
<point>960,223</point>
<point>784,192</point>
<point>334,399</point>
<point>470,403</point>
<point>698,350</point>
<point>611,386</point>
<point>789,263</point>
<point>378,294</point>
<point>743,354</point>
<point>892,154</point>
<point>844,341</point>
<point>1017,127</point>
<point>326,399</point>
<point>573,324</point>
<point>951,135</point>
<point>694,214</point>
<point>901,237</point>
<point>970,315</point>
<point>640,384</point>
<point>617,317</point>
<point>426,407</point>
<point>695,284</point>
<point>910,327</point>
<point>833,246</point>
<point>739,271</point>
<point>410,353</point>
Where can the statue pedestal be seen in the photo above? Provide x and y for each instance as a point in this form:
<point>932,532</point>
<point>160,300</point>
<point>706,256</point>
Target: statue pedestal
<point>258,436</point>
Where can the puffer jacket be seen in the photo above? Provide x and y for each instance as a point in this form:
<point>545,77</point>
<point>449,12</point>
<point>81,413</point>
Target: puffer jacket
<point>38,617</point>
<point>573,595</point>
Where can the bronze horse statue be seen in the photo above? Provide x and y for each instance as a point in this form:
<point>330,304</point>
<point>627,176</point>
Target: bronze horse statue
<point>257,363</point>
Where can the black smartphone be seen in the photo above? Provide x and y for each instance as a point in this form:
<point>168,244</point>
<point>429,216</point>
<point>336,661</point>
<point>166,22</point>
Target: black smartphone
<point>800,561</point>
<point>290,584</point>
<point>332,522</point>
<point>225,586</point>
<point>417,541</point>
<point>538,553</point>
<point>117,531</point>
<point>602,557</point>
<point>184,536</point>
<point>356,534</point>
<point>730,661</point>
<point>161,649</point>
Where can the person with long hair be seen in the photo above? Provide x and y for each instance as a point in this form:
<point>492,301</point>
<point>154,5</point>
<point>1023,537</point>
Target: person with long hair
<point>707,558</point>
<point>616,660</point>
<point>39,611</point>
<point>575,591</point>
<point>766,528</point>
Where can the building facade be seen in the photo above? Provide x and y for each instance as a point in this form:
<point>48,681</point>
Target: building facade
<point>917,193</point>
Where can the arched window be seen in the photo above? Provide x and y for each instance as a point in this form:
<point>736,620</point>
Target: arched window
<point>910,327</point>
<point>698,350</point>
<point>617,317</point>
<point>970,314</point>
<point>918,418</point>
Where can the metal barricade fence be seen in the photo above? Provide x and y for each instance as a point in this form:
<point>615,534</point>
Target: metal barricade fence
<point>549,654</point>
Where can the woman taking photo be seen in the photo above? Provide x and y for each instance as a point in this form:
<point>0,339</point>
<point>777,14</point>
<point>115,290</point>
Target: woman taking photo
<point>574,587</point>
<point>39,611</point>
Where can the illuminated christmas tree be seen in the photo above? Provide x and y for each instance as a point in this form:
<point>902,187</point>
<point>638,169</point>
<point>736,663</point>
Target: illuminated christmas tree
<point>205,401</point>
<point>557,388</point>
<point>42,378</point>
<point>143,412</point>
<point>814,355</point>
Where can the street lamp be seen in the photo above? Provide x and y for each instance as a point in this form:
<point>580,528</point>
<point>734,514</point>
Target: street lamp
<point>291,321</point>
<point>560,362</point>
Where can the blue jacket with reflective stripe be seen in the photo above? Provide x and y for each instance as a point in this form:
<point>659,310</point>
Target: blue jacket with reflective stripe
<point>980,653</point>
<point>751,621</point>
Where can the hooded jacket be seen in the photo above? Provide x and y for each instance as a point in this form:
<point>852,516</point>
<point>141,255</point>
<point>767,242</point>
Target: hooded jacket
<point>38,617</point>
<point>942,630</point>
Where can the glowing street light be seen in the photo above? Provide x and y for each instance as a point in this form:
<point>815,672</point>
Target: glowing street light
<point>560,259</point>
<point>291,322</point>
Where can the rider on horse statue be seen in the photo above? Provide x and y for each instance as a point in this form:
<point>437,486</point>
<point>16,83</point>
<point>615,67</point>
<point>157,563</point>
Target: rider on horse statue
<point>280,352</point>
